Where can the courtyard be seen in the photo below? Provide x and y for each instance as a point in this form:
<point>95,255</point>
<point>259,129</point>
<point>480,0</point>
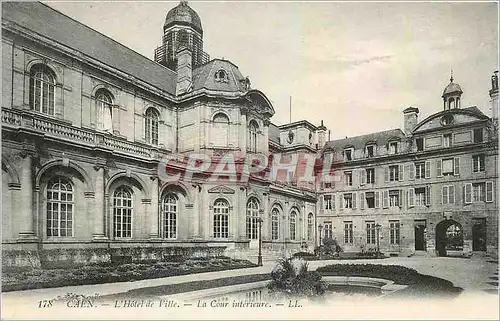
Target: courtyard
<point>477,276</point>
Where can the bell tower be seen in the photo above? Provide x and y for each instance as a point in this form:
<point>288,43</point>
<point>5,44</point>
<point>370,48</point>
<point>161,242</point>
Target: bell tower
<point>182,29</point>
<point>451,95</point>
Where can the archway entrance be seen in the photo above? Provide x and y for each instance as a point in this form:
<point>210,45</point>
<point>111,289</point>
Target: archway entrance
<point>449,237</point>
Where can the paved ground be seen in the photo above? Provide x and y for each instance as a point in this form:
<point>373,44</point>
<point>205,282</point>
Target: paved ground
<point>477,276</point>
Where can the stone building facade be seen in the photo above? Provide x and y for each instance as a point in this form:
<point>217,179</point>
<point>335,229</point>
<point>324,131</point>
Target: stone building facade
<point>429,188</point>
<point>89,126</point>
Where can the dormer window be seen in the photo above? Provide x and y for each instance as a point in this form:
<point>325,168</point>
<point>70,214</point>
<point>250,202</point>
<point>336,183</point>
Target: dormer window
<point>370,151</point>
<point>348,154</point>
<point>393,148</point>
<point>221,76</point>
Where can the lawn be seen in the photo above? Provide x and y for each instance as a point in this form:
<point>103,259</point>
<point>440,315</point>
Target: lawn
<point>25,279</point>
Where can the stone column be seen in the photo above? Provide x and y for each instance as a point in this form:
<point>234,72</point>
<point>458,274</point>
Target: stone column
<point>243,131</point>
<point>26,228</point>
<point>197,212</point>
<point>265,144</point>
<point>115,119</point>
<point>99,210</point>
<point>266,226</point>
<point>153,210</point>
<point>304,224</point>
<point>241,214</point>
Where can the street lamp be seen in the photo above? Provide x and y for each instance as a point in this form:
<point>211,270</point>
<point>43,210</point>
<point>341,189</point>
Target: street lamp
<point>320,228</point>
<point>259,258</point>
<point>378,227</point>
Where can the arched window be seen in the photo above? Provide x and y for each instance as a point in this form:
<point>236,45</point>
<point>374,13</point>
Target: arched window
<point>451,103</point>
<point>253,128</point>
<point>221,218</point>
<point>122,212</point>
<point>59,208</point>
<point>252,218</point>
<point>221,75</point>
<point>169,210</point>
<point>42,89</point>
<point>275,224</point>
<point>293,225</point>
<point>310,226</point>
<point>151,126</point>
<point>104,110</point>
<point>220,132</point>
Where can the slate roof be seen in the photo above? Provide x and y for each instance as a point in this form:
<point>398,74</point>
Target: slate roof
<point>50,23</point>
<point>359,142</point>
<point>183,14</point>
<point>204,77</point>
<point>274,133</point>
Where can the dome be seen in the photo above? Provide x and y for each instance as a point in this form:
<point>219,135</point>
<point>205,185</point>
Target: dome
<point>452,88</point>
<point>183,15</point>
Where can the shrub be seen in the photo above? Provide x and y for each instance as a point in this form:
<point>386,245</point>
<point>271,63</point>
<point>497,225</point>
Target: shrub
<point>305,255</point>
<point>295,282</point>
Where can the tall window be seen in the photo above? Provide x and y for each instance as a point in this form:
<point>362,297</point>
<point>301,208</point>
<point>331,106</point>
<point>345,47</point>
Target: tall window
<point>59,208</point>
<point>370,232</point>
<point>42,89</point>
<point>328,226</point>
<point>151,128</point>
<point>348,235</point>
<point>104,110</point>
<point>328,202</point>
<point>220,132</point>
<point>169,210</point>
<point>221,219</point>
<point>394,232</point>
<point>293,225</point>
<point>393,148</point>
<point>447,140</point>
<point>253,128</point>
<point>478,163</point>
<point>122,212</point>
<point>252,218</point>
<point>420,170</point>
<point>275,224</point>
<point>370,175</point>
<point>348,178</point>
<point>310,226</point>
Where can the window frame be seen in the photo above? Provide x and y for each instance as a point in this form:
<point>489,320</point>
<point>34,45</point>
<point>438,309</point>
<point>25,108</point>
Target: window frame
<point>168,216</point>
<point>45,80</point>
<point>220,219</point>
<point>152,126</point>
<point>125,234</point>
<point>50,202</point>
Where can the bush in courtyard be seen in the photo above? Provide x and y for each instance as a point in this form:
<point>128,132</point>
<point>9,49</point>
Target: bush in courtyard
<point>289,280</point>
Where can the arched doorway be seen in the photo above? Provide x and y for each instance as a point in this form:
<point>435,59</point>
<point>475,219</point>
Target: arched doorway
<point>449,237</point>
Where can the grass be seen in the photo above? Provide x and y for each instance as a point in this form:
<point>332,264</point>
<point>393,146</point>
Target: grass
<point>419,285</point>
<point>22,279</point>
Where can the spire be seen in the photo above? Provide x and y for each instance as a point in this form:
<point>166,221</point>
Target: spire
<point>451,75</point>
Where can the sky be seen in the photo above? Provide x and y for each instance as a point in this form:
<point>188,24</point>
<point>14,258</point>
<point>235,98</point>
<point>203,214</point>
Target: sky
<point>356,66</point>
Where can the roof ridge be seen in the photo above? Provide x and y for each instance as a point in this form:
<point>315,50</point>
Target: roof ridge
<point>102,34</point>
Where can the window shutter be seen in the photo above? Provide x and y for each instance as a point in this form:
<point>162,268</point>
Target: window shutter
<point>468,193</point>
<point>439,166</point>
<point>456,166</point>
<point>333,201</point>
<point>451,193</point>
<point>362,174</point>
<point>427,169</point>
<point>386,173</point>
<point>322,202</point>
<point>362,200</point>
<point>341,202</point>
<point>428,195</point>
<point>377,199</point>
<point>444,195</point>
<point>489,192</point>
<point>411,197</point>
<point>401,172</point>
<point>354,196</point>
<point>401,198</point>
<point>385,201</point>
<point>411,170</point>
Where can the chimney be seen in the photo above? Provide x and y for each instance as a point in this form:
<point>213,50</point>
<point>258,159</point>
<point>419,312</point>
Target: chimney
<point>411,119</point>
<point>494,95</point>
<point>321,130</point>
<point>184,71</point>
